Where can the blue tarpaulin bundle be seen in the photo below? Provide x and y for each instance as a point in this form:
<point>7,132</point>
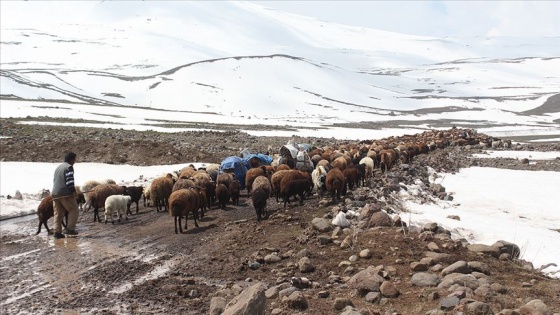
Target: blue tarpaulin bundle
<point>265,159</point>
<point>238,166</point>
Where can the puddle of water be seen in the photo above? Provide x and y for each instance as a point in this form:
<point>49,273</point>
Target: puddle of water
<point>20,254</point>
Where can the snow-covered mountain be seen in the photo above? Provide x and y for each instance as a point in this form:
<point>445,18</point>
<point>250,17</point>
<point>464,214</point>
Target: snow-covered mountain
<point>141,64</point>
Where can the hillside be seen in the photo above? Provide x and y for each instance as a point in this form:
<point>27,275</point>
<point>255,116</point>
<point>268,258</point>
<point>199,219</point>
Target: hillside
<point>148,64</point>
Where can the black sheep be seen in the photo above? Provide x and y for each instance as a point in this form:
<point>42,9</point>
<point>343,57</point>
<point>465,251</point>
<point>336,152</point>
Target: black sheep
<point>259,197</point>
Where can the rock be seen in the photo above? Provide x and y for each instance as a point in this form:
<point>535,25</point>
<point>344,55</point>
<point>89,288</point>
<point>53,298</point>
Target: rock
<point>251,301</point>
<point>18,195</point>
<point>460,279</point>
<point>433,296</point>
<point>300,283</point>
<point>457,267</point>
<point>438,258</point>
<point>296,301</point>
<point>365,253</point>
<point>484,291</point>
<point>434,247</point>
<point>389,290</point>
<point>437,268</point>
<point>424,279</point>
<point>418,266</point>
<point>276,311</point>
<point>448,303</point>
<point>454,217</point>
<point>272,258</point>
<point>368,210</point>
<point>323,294</point>
<point>272,292</point>
<point>508,312</point>
<point>380,219</point>
<point>484,249</point>
<point>305,265</point>
<point>217,305</point>
<point>479,266</point>
<point>340,303</point>
<point>498,288</point>
<point>479,308</point>
<point>505,257</point>
<point>535,307</point>
<point>303,253</point>
<point>336,232</point>
<point>526,284</point>
<point>347,242</point>
<point>324,240</point>
<point>286,292</point>
<point>525,161</point>
<point>322,225</point>
<point>437,188</point>
<point>373,297</point>
<point>508,248</point>
<point>365,281</point>
<point>350,311</point>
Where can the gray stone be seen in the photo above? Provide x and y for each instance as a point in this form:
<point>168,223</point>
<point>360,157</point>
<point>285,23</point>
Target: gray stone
<point>373,297</point>
<point>323,294</point>
<point>479,308</point>
<point>484,249</point>
<point>389,290</point>
<point>305,265</point>
<point>365,253</point>
<point>353,258</point>
<point>535,307</point>
<point>347,242</point>
<point>484,291</point>
<point>217,305</point>
<point>272,258</point>
<point>448,303</point>
<point>437,268</point>
<point>276,311</point>
<point>296,301</point>
<point>324,240</point>
<point>454,217</point>
<point>340,303</point>
<point>457,267</point>
<point>351,311</point>
<point>380,219</point>
<point>418,266</point>
<point>321,225</point>
<point>251,301</point>
<point>469,281</point>
<point>424,279</point>
<point>434,247</point>
<point>479,266</point>
<point>498,288</point>
<point>439,258</point>
<point>365,281</point>
<point>508,248</point>
<point>286,292</point>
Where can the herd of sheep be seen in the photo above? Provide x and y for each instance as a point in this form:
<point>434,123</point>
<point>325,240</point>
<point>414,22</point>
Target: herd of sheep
<point>334,170</point>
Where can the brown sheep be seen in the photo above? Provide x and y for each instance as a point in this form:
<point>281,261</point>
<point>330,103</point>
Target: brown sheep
<point>295,174</point>
<point>251,175</point>
<point>45,211</point>
<point>340,162</point>
<point>187,172</point>
<point>264,183</point>
<point>160,190</point>
<point>183,183</point>
<point>352,177</point>
<point>235,191</point>
<point>294,187</point>
<point>259,197</point>
<point>335,183</point>
<point>225,178</point>
<point>99,194</point>
<point>387,159</point>
<point>283,167</point>
<point>276,179</point>
<point>135,193</point>
<point>222,194</point>
<point>200,178</point>
<point>201,200</point>
<point>210,188</point>
<point>181,202</point>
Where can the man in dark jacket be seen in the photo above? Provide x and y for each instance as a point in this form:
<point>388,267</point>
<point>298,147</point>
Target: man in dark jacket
<point>64,194</point>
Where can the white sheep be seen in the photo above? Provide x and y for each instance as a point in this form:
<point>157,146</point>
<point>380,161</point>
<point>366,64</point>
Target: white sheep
<point>318,176</point>
<point>117,203</point>
<point>370,164</point>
